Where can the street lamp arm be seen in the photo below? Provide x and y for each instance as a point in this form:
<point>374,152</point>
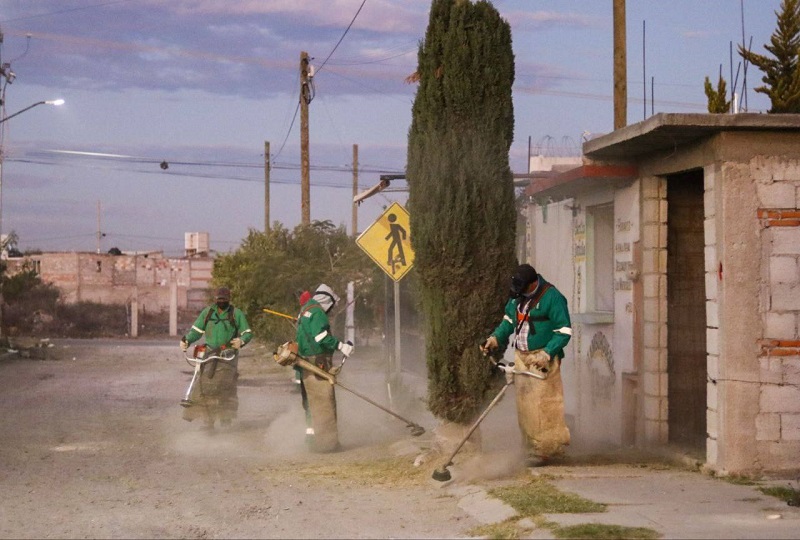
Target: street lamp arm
<point>29,107</point>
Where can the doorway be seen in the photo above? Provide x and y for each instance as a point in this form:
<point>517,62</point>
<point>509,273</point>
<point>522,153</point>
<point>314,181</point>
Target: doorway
<point>686,310</point>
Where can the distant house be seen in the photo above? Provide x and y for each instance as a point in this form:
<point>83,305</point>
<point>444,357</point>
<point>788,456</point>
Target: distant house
<point>677,243</point>
<point>121,277</point>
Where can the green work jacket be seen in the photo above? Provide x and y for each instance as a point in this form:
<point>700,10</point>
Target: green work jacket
<point>549,325</point>
<point>220,326</point>
<point>314,331</point>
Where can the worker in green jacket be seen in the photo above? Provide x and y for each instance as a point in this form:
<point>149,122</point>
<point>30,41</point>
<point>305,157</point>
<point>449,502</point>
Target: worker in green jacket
<point>537,317</point>
<point>317,344</point>
<point>214,396</point>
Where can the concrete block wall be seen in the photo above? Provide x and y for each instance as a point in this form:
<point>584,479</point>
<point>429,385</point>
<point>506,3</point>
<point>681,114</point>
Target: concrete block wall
<point>712,275</point>
<point>117,279</point>
<point>778,422</point>
<point>654,274</point>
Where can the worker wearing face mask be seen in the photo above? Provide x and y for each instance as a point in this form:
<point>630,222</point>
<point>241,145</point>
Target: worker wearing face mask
<point>214,396</point>
<point>537,317</point>
<point>317,344</point>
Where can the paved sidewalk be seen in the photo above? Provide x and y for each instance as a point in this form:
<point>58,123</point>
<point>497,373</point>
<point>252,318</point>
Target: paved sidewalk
<point>676,503</point>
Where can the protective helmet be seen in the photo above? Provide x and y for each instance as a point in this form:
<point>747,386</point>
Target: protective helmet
<point>522,278</point>
<point>325,297</point>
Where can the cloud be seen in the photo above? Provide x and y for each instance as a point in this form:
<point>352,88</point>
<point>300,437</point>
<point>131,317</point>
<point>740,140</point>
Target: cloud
<point>527,20</point>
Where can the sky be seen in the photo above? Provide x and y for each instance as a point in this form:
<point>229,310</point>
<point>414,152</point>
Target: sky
<point>204,84</point>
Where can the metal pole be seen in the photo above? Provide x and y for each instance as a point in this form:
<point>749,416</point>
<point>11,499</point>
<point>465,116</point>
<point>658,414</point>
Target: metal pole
<point>398,363</point>
<point>266,187</point>
<point>354,230</point>
<point>620,67</point>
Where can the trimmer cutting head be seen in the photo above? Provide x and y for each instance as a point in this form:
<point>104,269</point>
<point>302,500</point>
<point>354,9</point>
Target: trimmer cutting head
<point>441,475</point>
<point>416,431</point>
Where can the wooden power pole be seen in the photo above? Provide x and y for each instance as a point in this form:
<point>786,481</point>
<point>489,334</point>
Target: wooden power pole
<point>266,187</point>
<point>355,191</point>
<point>620,67</point>
<point>305,180</point>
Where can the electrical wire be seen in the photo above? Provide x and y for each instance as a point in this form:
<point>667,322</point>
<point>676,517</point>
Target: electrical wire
<point>59,12</point>
<point>343,35</point>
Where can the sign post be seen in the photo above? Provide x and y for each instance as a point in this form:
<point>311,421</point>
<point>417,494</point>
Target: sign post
<point>388,242</point>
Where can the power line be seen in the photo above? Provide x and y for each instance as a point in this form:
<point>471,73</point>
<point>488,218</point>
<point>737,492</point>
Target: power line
<point>341,38</point>
<point>59,12</point>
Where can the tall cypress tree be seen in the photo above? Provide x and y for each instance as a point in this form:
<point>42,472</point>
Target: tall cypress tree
<point>461,198</point>
<point>781,73</point>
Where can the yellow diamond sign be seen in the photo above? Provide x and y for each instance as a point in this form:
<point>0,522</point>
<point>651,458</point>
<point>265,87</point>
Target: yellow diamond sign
<point>388,242</point>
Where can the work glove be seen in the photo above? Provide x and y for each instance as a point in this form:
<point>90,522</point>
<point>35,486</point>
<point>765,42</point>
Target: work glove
<point>540,360</point>
<point>346,347</point>
<point>236,343</point>
<point>184,345</point>
<point>489,345</point>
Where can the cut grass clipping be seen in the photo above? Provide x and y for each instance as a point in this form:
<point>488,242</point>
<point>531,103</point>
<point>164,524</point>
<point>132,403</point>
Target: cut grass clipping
<point>611,532</point>
<point>387,472</point>
<point>539,497</point>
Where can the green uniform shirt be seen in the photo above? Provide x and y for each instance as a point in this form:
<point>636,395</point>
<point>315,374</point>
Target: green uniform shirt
<point>549,325</point>
<point>220,330</point>
<point>314,331</point>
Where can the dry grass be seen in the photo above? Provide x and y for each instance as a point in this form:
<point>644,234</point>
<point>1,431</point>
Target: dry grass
<point>538,497</point>
<point>390,472</point>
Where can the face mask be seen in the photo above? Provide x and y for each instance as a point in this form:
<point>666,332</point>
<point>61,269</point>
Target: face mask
<point>223,304</point>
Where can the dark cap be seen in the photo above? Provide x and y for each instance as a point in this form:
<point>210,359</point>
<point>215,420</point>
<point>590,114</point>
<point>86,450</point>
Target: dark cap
<point>523,276</point>
<point>223,293</point>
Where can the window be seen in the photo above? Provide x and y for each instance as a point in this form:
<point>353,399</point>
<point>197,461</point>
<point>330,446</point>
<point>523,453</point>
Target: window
<point>600,260</point>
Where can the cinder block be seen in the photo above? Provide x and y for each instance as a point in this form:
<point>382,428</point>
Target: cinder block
<point>780,399</point>
<point>651,309</point>
<point>712,284</point>
<point>775,195</point>
<point>771,370</point>
<point>712,452</point>
<point>780,325</point>
<point>650,285</point>
<point>652,408</point>
<point>791,370</point>
<point>785,297</point>
<point>768,427</point>
<point>650,211</point>
<point>710,258</point>
<point>712,423</point>
<point>651,334</point>
<point>712,340</point>
<point>712,396</point>
<point>790,427</point>
<point>650,232</point>
<point>712,314</point>
<point>712,366</point>
<point>651,360</point>
<point>785,241</point>
<point>783,269</point>
<point>710,232</point>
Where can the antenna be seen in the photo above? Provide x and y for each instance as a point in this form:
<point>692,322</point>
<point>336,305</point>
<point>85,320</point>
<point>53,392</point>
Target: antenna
<point>744,73</point>
<point>644,68</point>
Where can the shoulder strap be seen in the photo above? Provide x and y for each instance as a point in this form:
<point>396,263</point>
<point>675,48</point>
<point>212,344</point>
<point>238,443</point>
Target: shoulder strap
<point>231,318</point>
<point>532,304</point>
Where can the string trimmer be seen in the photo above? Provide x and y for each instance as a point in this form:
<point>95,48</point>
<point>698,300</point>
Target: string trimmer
<point>285,356</point>
<point>198,360</point>
<point>442,474</point>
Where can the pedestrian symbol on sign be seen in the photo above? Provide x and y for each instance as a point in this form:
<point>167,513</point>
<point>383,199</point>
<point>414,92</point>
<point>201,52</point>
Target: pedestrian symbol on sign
<point>396,234</point>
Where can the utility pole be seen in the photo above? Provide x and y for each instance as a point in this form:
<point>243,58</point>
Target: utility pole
<point>355,191</point>
<point>620,67</point>
<point>305,180</point>
<point>266,187</point>
<point>99,230</point>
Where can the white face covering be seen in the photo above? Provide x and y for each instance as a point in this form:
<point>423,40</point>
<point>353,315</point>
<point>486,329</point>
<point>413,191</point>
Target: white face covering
<point>326,298</point>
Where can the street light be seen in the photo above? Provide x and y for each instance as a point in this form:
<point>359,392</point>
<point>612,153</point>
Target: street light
<point>55,102</point>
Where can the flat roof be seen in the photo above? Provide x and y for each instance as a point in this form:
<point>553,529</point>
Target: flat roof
<point>670,130</point>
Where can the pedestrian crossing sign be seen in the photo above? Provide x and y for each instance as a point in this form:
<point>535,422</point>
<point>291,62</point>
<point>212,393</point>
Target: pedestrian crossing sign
<point>388,242</point>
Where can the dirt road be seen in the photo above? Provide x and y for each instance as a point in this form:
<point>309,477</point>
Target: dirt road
<point>93,446</point>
